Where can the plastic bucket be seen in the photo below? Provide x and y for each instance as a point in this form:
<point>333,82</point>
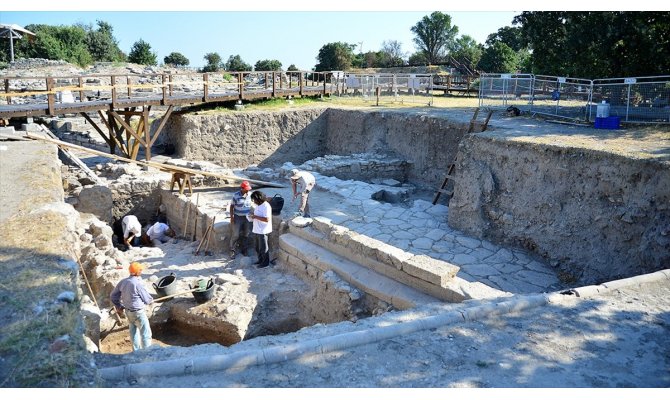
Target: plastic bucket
<point>276,203</point>
<point>203,295</point>
<point>166,286</point>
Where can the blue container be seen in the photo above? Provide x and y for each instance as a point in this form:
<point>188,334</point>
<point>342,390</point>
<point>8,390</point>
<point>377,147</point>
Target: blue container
<point>608,123</point>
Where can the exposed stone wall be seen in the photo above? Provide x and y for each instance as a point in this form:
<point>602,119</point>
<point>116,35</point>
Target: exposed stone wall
<point>597,216</point>
<point>429,143</point>
<point>271,138</point>
<point>239,139</point>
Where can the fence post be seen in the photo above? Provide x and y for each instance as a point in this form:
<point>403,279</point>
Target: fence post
<point>164,89</point>
<point>240,84</point>
<point>300,82</point>
<point>51,97</point>
<point>205,87</point>
<point>129,90</point>
<point>81,91</point>
<point>112,80</point>
<point>9,98</point>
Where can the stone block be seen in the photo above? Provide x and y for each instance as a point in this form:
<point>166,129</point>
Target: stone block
<point>430,270</point>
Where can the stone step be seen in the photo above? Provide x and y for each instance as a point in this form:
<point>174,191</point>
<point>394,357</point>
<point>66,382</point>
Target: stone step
<point>302,254</point>
<point>436,278</point>
<point>428,275</point>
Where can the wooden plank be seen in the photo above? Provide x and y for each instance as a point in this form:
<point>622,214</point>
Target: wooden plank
<point>127,127</point>
<point>162,167</point>
<point>161,125</point>
<point>74,159</point>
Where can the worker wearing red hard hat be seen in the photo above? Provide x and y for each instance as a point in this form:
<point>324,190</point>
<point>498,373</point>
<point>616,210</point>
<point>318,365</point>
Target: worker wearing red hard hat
<point>239,225</point>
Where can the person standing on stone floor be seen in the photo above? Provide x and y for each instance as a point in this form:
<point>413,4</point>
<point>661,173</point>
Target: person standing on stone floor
<point>130,297</point>
<point>261,216</point>
<point>302,183</point>
<point>239,224</point>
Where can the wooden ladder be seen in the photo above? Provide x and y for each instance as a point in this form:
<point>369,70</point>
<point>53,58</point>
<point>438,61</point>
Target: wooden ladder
<point>444,185</point>
<point>473,121</point>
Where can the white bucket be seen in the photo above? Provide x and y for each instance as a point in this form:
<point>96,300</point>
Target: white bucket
<point>603,110</point>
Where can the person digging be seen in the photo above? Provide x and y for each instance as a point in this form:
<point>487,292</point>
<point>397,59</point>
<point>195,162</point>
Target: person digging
<point>130,297</point>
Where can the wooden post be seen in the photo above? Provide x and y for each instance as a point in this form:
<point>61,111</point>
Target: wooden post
<point>170,88</point>
<point>300,82</point>
<point>164,89</point>
<point>113,84</point>
<point>324,83</point>
<point>130,94</point>
<point>205,87</point>
<point>147,133</point>
<point>266,80</point>
<point>274,83</point>
<point>51,97</point>
<point>81,91</point>
<point>9,99</point>
<point>240,84</point>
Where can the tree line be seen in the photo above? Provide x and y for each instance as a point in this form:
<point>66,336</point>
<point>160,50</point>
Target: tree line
<point>562,43</point>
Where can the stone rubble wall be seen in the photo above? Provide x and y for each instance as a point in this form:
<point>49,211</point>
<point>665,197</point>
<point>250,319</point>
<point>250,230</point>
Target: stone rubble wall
<point>370,167</point>
<point>595,215</point>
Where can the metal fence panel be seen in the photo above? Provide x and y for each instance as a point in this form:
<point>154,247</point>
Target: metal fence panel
<point>561,96</point>
<point>385,88</point>
<point>640,100</point>
<point>504,90</point>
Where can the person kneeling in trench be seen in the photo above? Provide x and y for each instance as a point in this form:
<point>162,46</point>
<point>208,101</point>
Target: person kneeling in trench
<point>131,297</point>
<point>159,233</point>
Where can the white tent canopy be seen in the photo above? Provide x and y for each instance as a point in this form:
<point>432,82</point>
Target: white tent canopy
<point>13,31</point>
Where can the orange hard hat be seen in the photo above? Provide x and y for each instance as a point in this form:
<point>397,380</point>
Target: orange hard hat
<point>135,268</point>
<point>245,185</point>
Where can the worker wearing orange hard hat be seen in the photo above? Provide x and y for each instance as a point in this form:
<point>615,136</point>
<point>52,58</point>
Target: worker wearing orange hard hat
<point>130,296</point>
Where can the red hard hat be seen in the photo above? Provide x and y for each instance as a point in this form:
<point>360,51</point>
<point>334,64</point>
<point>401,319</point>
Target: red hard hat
<point>245,185</point>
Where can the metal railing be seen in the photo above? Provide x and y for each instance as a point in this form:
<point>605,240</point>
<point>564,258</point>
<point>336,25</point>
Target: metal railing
<point>638,100</point>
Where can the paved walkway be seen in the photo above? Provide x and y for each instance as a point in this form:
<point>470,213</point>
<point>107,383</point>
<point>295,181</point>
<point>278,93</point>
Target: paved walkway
<point>420,227</point>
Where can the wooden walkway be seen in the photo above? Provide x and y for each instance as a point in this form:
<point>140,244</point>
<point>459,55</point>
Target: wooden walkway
<point>58,95</point>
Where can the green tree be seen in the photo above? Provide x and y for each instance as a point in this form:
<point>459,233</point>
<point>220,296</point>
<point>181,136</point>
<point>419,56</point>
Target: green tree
<point>292,67</point>
<point>499,58</point>
<point>101,43</point>
<point>267,65</point>
<point>336,56</point>
<point>214,62</point>
<point>597,44</point>
<point>510,35</point>
<point>235,63</point>
<point>66,43</point>
<point>434,35</point>
<point>176,59</point>
<point>467,51</point>
<point>418,58</point>
<point>391,54</point>
<point>141,53</point>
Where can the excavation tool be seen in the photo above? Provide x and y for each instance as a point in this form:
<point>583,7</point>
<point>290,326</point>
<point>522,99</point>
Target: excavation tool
<point>205,237</point>
<point>188,213</point>
<point>195,225</point>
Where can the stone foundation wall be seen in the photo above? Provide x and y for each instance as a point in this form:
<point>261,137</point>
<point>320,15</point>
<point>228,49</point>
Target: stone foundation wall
<point>429,143</point>
<point>597,216</point>
<point>239,139</point>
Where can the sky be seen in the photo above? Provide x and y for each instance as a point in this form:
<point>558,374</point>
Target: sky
<point>291,32</point>
<point>292,37</point>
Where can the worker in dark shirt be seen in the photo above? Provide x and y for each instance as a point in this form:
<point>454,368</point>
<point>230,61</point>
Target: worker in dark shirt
<point>131,297</point>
